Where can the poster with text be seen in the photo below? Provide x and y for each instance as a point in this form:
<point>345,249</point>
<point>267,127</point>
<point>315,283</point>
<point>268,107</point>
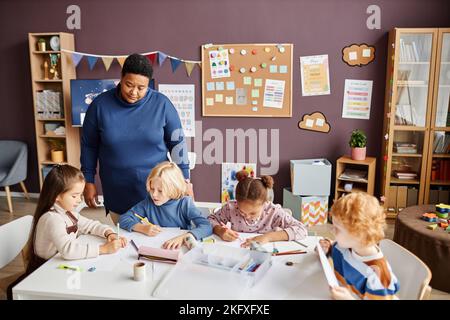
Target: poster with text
<point>315,75</point>
<point>357,99</point>
<point>220,64</point>
<point>183,98</point>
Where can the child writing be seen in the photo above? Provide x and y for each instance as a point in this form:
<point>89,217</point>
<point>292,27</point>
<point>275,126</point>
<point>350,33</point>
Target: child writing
<point>166,206</point>
<point>57,224</point>
<point>359,264</point>
<point>251,212</point>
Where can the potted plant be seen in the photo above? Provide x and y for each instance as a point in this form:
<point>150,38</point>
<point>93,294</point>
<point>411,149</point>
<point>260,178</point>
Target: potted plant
<point>57,147</point>
<point>358,141</point>
<point>41,44</point>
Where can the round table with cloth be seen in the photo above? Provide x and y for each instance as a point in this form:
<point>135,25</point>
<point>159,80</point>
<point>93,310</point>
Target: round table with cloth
<point>431,246</point>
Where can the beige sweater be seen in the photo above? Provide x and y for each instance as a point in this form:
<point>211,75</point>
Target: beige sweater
<point>52,237</point>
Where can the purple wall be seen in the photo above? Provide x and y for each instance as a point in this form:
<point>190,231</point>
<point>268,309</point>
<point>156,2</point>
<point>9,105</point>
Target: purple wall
<point>179,28</point>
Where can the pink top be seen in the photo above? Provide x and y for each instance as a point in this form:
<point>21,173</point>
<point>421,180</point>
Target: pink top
<point>273,218</point>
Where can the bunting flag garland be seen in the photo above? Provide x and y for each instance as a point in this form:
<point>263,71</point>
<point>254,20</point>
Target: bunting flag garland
<point>189,67</point>
<point>107,62</point>
<point>161,58</point>
<point>152,56</point>
<point>174,63</point>
<point>92,61</point>
<point>76,58</point>
<point>121,60</point>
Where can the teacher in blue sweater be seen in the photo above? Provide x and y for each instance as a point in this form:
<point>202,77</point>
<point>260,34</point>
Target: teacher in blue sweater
<point>128,130</point>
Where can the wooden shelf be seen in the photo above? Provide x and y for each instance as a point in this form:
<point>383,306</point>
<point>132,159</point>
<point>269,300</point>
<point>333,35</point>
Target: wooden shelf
<point>45,52</point>
<point>352,181</point>
<point>414,62</point>
<point>403,181</point>
<point>440,183</point>
<point>436,155</point>
<point>353,190</point>
<point>66,72</point>
<point>407,155</point>
<point>52,136</point>
<point>445,129</point>
<point>398,127</point>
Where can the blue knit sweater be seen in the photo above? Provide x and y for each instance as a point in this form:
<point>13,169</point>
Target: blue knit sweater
<point>129,140</point>
<point>174,213</point>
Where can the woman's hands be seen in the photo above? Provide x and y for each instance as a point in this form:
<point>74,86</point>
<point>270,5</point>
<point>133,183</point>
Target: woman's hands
<point>90,195</point>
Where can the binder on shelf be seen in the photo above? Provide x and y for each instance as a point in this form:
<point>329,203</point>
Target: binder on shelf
<point>443,196</point>
<point>402,193</point>
<point>434,196</point>
<point>411,199</point>
<point>392,198</point>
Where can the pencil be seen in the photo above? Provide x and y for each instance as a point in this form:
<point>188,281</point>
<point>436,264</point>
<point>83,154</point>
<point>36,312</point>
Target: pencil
<point>134,245</point>
<point>225,226</point>
<point>142,218</point>
<point>288,253</point>
<point>118,228</point>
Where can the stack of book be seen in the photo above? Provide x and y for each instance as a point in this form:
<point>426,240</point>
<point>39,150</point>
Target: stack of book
<point>405,175</point>
<point>354,175</point>
<point>441,143</point>
<point>440,170</point>
<point>401,147</point>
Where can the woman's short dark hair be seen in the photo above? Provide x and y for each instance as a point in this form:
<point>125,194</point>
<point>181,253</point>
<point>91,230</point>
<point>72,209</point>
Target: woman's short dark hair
<point>137,64</point>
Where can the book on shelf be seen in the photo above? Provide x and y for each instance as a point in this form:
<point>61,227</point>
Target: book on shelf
<point>441,143</point>
<point>405,175</point>
<point>410,51</point>
<point>401,147</point>
<point>404,115</point>
<point>354,175</point>
<point>440,170</point>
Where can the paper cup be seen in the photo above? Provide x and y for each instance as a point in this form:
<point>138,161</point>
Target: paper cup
<point>139,271</point>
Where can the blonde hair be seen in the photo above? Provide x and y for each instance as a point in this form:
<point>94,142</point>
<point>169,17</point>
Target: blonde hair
<point>362,215</point>
<point>172,180</point>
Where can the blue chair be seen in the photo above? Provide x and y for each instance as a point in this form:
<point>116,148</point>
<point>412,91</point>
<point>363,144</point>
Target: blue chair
<point>13,166</point>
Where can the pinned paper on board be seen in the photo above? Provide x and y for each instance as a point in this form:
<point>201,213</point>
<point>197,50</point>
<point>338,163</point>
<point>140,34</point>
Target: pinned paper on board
<point>315,122</point>
<point>241,96</point>
<point>358,54</point>
<point>219,63</point>
<point>274,93</point>
<point>315,75</point>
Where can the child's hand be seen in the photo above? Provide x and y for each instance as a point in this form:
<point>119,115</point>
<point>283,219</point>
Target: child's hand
<point>227,234</point>
<point>110,247</point>
<point>261,239</point>
<point>341,293</point>
<point>113,236</point>
<point>174,243</point>
<point>326,245</point>
<point>150,230</point>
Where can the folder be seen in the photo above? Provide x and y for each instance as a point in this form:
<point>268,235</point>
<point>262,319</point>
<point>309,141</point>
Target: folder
<point>158,254</point>
<point>411,199</point>
<point>434,197</point>
<point>402,193</point>
<point>392,198</point>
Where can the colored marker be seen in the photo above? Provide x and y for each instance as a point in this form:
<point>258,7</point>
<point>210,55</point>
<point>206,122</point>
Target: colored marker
<point>143,220</point>
<point>226,226</point>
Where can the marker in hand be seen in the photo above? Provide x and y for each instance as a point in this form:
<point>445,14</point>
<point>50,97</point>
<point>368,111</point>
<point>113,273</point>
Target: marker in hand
<point>228,226</point>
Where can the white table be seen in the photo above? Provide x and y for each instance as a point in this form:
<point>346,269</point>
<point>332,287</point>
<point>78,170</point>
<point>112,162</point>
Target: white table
<point>113,278</point>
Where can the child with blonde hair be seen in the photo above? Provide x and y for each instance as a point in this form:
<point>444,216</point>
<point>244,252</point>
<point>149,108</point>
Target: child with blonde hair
<point>252,213</point>
<point>359,264</point>
<point>166,206</point>
<point>57,222</point>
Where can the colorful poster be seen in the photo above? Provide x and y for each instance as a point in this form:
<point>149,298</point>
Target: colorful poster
<point>229,180</point>
<point>274,93</point>
<point>357,99</point>
<point>315,75</point>
<point>219,63</point>
<point>183,98</point>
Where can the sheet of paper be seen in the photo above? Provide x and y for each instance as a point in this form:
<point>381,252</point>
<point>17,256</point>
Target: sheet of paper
<point>255,93</point>
<point>258,82</point>
<point>273,68</point>
<point>230,85</point>
<point>353,55</point>
<point>274,93</point>
<point>327,269</point>
<point>283,69</point>
<point>315,76</point>
<point>209,101</point>
<point>247,80</point>
<point>228,100</point>
<point>220,86</point>
<point>219,63</point>
<point>219,97</point>
<point>357,99</point>
<point>183,98</point>
<point>210,86</point>
<point>241,96</point>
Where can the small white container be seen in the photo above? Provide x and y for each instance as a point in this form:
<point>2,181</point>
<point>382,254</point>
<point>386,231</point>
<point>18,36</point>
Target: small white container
<point>139,271</point>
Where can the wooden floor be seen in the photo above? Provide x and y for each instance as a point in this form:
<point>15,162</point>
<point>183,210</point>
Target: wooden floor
<point>24,207</point>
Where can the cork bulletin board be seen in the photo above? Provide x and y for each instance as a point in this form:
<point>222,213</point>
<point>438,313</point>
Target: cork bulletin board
<point>247,80</point>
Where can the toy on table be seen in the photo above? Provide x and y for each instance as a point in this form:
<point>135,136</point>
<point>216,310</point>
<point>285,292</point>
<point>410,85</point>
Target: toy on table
<point>208,240</point>
<point>429,217</point>
<point>442,210</point>
<point>432,226</point>
<point>443,224</point>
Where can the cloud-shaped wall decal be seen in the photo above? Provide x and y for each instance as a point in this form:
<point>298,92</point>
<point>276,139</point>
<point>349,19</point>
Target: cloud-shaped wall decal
<point>315,122</point>
<point>358,54</point>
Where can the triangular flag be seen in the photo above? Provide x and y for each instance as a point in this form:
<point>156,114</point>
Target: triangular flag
<point>189,66</point>
<point>121,60</point>
<point>107,62</point>
<point>92,61</point>
<point>76,58</point>
<point>161,58</point>
<point>152,58</point>
<point>199,64</point>
<point>174,63</point>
